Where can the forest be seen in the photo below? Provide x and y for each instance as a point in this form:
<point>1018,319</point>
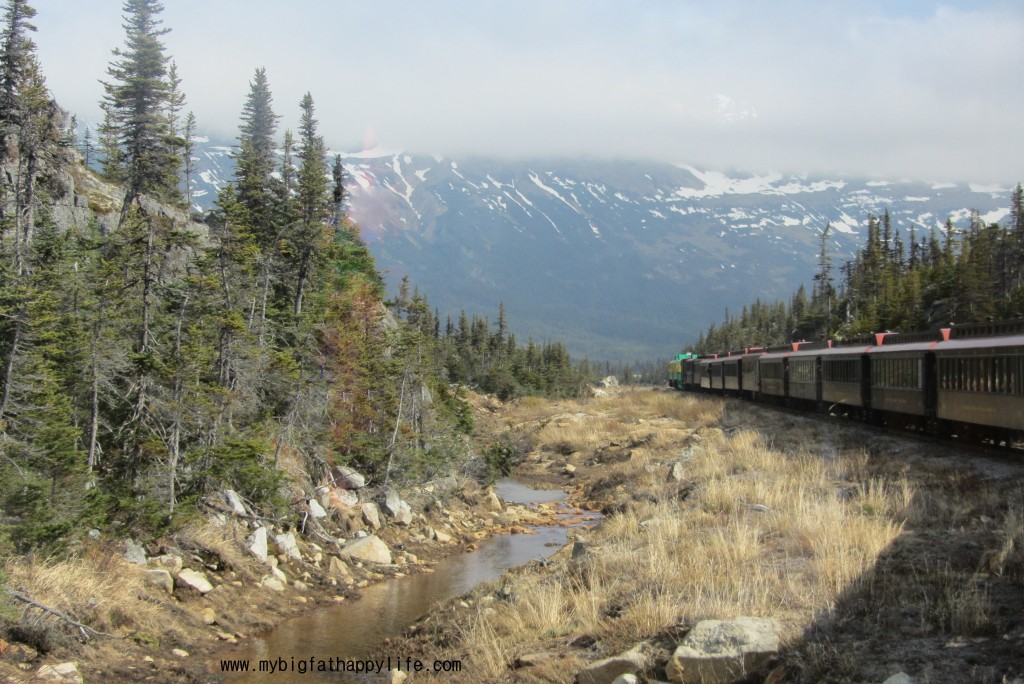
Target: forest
<point>920,281</point>
<point>151,357</point>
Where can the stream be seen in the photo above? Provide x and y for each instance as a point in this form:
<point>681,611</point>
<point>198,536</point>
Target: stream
<point>356,630</point>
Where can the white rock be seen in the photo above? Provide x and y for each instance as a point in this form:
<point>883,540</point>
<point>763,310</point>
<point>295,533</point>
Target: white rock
<point>257,544</point>
<point>606,671</point>
<point>287,545</point>
<point>161,579</point>
<point>134,553</point>
<point>347,478</point>
<point>272,583</point>
<point>316,510</point>
<point>195,580</point>
<point>396,509</point>
<point>370,549</point>
<point>723,650</point>
<point>234,501</point>
<point>899,678</point>
<point>65,672</point>
<point>371,515</point>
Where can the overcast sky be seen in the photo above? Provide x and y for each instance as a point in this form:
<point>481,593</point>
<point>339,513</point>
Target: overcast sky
<point>886,88</point>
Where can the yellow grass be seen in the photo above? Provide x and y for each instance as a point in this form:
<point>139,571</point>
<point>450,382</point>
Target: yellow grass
<point>766,532</point>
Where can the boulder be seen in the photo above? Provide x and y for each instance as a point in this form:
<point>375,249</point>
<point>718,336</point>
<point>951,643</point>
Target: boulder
<point>723,650</point>
<point>340,499</point>
<point>234,502</point>
<point>161,579</point>
<point>346,478</point>
<point>492,502</point>
<point>371,515</point>
<point>395,508</point>
<point>440,535</point>
<point>337,567</point>
<point>65,672</point>
<point>608,670</point>
<point>272,583</point>
<point>134,552</point>
<point>169,562</point>
<point>677,472</point>
<point>194,580</point>
<point>208,616</point>
<point>287,545</point>
<point>899,678</point>
<point>257,544</point>
<point>370,549</point>
<point>316,510</point>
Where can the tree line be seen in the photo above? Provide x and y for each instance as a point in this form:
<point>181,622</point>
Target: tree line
<point>148,364</point>
<point>920,280</point>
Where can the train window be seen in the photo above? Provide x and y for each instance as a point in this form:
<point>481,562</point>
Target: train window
<point>841,371</point>
<point>771,370</point>
<point>801,370</point>
<point>990,375</point>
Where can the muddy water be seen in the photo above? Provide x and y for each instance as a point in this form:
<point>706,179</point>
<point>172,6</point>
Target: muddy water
<point>357,630</point>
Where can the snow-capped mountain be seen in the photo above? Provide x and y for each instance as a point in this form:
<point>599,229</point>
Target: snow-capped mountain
<point>621,260</point>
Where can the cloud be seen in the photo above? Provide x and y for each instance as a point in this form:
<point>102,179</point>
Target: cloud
<point>882,89</point>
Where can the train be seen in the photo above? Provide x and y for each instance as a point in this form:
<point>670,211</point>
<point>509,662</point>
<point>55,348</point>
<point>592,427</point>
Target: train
<point>961,382</point>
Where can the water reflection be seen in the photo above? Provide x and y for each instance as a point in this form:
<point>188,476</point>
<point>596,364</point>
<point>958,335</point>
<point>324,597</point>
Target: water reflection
<point>357,629</point>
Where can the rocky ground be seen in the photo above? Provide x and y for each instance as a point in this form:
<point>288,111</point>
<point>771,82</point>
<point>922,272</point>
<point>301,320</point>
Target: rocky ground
<point>936,593</point>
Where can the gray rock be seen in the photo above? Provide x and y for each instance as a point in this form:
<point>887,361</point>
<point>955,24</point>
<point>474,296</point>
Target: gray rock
<point>161,579</point>
<point>627,679</point>
<point>65,672</point>
<point>370,549</point>
<point>234,502</point>
<point>257,544</point>
<point>194,580</point>
<point>168,561</point>
<point>347,478</point>
<point>316,510</point>
<point>134,553</point>
<point>396,509</point>
<point>272,583</point>
<point>899,678</point>
<point>340,499</point>
<point>287,545</point>
<point>723,650</point>
<point>371,515</point>
<point>677,472</point>
<point>608,670</point>
<point>492,501</point>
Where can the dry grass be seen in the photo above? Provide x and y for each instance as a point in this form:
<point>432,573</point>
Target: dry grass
<point>101,590</point>
<point>766,532</point>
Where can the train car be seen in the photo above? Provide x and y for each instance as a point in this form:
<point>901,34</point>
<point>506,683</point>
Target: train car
<point>691,370</point>
<point>749,384</point>
<point>804,373</point>
<point>677,370</point>
<point>902,379</point>
<point>966,381</point>
<point>704,372</point>
<point>845,373</point>
<point>980,385</point>
<point>771,369</point>
<point>731,373</point>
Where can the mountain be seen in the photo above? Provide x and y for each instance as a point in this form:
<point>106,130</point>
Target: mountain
<point>621,260</point>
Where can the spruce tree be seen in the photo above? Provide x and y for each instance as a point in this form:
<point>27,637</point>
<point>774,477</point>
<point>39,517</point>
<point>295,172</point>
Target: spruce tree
<point>140,102</point>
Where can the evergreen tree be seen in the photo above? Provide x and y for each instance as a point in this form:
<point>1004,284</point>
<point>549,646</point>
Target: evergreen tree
<point>139,105</point>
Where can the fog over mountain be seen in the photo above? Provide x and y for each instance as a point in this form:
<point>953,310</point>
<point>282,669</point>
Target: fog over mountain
<point>621,260</point>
